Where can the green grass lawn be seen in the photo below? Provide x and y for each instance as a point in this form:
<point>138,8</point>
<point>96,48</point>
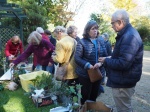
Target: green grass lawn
<point>147,48</point>
<point>16,101</point>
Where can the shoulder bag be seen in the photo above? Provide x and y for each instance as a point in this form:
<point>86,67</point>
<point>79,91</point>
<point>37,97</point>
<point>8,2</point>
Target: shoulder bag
<point>95,74</point>
<point>61,70</point>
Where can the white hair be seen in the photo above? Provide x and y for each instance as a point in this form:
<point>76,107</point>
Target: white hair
<point>39,30</point>
<point>71,29</point>
<point>122,15</point>
<point>35,36</point>
<point>60,29</point>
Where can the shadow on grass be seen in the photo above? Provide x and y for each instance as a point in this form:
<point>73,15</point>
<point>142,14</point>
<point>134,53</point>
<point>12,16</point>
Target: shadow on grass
<point>4,98</point>
<point>16,101</point>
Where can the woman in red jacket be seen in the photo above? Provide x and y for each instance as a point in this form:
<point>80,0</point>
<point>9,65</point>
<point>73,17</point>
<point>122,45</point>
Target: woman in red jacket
<point>41,48</point>
<point>13,48</point>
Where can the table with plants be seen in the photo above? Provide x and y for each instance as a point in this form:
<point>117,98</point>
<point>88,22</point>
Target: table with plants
<point>55,92</point>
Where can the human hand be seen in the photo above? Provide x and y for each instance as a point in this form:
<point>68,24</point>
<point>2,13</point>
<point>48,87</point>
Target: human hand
<point>108,56</point>
<point>97,65</point>
<point>11,57</point>
<point>101,59</point>
<point>50,64</point>
<point>11,65</point>
<point>91,67</point>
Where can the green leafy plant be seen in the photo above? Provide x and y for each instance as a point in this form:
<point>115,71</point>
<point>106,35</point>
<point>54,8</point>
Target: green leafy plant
<point>65,94</point>
<point>1,87</point>
<point>32,88</point>
<point>75,95</point>
<point>2,59</point>
<point>16,73</point>
<point>44,81</point>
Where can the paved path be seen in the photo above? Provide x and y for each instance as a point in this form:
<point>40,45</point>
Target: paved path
<point>141,99</point>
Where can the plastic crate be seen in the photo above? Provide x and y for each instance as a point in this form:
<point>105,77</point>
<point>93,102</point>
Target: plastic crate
<point>26,79</point>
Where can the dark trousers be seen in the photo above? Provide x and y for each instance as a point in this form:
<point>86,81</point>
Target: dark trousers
<point>89,90</point>
<point>72,82</point>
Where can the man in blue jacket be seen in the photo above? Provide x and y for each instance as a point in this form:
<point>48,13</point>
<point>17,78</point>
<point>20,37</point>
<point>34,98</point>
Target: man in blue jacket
<point>125,65</point>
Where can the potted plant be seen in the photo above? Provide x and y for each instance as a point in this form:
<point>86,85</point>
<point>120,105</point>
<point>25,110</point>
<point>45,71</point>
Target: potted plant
<point>58,91</point>
<point>16,73</point>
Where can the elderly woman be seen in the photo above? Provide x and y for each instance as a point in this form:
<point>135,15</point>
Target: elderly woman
<point>44,36</point>
<point>65,47</point>
<point>39,47</point>
<point>72,32</point>
<point>87,52</point>
<point>13,48</point>
<point>41,31</point>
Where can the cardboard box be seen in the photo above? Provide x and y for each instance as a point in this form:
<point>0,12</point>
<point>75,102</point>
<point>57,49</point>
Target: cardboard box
<point>96,107</point>
<point>43,101</point>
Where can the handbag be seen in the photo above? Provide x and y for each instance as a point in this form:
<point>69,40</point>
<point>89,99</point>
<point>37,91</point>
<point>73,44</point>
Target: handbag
<point>61,70</point>
<point>94,74</point>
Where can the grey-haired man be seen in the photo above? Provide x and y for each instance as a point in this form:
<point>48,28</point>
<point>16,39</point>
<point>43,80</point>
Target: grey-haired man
<point>125,65</point>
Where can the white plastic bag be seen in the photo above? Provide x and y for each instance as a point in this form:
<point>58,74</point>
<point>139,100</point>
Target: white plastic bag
<point>7,75</point>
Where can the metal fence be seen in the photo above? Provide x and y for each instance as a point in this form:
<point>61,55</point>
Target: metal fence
<point>6,33</point>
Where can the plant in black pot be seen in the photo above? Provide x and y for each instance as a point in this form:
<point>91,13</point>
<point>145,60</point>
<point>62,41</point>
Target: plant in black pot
<point>64,95</point>
<point>16,73</point>
<point>67,95</point>
<point>40,90</point>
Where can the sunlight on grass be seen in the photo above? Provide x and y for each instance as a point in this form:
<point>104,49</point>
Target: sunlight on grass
<point>16,101</point>
<point>16,105</point>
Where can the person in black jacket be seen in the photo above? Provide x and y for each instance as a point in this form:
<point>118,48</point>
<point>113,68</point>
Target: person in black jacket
<point>52,40</point>
<point>125,65</point>
<point>88,49</point>
<point>108,46</point>
<point>107,43</point>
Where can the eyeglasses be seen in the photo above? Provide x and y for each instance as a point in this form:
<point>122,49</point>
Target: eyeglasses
<point>112,23</point>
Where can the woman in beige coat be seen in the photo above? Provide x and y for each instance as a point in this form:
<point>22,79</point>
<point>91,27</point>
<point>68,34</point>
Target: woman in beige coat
<point>64,48</point>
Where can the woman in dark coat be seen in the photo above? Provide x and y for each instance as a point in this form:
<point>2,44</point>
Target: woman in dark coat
<point>86,57</point>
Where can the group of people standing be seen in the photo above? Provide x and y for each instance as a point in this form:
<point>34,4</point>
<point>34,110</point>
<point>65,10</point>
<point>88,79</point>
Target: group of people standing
<point>123,66</point>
